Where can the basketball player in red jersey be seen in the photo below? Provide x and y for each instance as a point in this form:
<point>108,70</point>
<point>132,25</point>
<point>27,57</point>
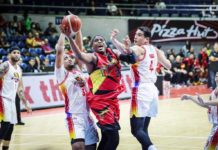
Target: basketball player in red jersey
<point>144,92</point>
<point>10,84</point>
<point>104,83</point>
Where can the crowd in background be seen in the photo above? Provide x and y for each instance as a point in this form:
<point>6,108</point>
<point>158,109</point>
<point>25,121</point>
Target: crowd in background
<point>119,7</point>
<point>191,68</point>
<point>37,50</point>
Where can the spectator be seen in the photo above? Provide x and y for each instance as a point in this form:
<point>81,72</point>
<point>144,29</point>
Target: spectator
<point>4,43</point>
<point>86,44</point>
<point>32,66</point>
<point>92,9</point>
<point>15,23</point>
<point>38,29</point>
<point>30,40</point>
<point>186,48</point>
<point>213,63</point>
<point>113,10</point>
<point>203,63</point>
<point>170,52</point>
<point>38,41</point>
<point>50,30</point>
<point>160,5</point>
<point>179,72</point>
<point>209,50</point>
<point>27,22</point>
<point>45,65</point>
<point>46,47</point>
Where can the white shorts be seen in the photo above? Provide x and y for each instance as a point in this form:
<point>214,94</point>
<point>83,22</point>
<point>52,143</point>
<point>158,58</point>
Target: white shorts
<point>9,111</point>
<point>212,141</point>
<point>144,101</point>
<point>81,126</point>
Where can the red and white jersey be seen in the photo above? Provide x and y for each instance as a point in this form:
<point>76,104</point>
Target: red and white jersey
<point>144,71</point>
<point>9,82</point>
<point>74,95</point>
<point>213,110</point>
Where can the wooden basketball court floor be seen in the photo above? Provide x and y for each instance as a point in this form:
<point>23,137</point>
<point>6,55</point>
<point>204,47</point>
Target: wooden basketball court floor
<point>180,125</point>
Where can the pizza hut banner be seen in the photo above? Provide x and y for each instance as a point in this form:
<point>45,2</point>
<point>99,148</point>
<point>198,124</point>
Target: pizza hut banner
<point>42,91</point>
<point>177,30</point>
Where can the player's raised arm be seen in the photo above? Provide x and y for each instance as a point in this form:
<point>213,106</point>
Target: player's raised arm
<point>120,46</point>
<point>60,51</point>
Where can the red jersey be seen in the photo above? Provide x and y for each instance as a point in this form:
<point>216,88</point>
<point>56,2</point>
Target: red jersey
<point>104,81</point>
<point>104,85</point>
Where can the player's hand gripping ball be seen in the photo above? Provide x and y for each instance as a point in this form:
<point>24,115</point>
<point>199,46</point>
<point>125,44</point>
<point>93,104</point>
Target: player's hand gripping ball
<point>71,24</point>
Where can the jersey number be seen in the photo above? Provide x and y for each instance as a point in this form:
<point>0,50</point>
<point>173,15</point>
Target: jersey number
<point>83,91</point>
<point>151,66</point>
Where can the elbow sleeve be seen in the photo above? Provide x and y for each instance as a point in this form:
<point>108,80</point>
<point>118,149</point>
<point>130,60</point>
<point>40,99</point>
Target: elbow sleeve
<point>129,58</point>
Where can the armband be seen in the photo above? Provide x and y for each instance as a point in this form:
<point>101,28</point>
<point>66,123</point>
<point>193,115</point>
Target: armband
<point>129,58</point>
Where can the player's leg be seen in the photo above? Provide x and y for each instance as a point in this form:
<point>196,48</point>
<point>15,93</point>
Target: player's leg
<point>3,130</point>
<point>78,144</point>
<point>6,131</point>
<point>110,140</point>
<point>137,128</point>
<point>103,141</point>
<point>212,141</point>
<point>107,112</point>
<point>91,147</point>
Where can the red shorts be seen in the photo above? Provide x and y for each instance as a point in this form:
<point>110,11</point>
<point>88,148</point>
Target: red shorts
<point>106,111</point>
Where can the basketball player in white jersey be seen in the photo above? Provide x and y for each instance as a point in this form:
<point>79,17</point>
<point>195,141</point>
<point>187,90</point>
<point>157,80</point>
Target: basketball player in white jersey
<point>10,84</point>
<point>144,60</point>
<point>82,131</point>
<point>212,106</point>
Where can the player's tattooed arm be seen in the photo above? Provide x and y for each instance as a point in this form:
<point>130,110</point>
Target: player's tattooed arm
<point>3,68</point>
<point>22,97</point>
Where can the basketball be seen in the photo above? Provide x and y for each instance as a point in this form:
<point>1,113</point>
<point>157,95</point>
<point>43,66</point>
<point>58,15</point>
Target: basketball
<point>72,23</point>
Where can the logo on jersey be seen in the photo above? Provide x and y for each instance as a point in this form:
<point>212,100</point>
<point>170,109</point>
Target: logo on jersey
<point>16,77</point>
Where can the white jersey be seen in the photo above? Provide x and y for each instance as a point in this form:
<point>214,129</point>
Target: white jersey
<point>8,88</point>
<point>9,82</point>
<point>213,110</point>
<point>75,96</point>
<point>144,71</point>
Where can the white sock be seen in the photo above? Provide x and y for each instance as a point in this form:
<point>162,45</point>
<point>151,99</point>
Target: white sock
<point>152,147</point>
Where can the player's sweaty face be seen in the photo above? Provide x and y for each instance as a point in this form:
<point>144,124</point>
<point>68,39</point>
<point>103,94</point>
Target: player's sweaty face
<point>99,44</point>
<point>139,38</point>
<point>15,55</point>
<point>69,61</point>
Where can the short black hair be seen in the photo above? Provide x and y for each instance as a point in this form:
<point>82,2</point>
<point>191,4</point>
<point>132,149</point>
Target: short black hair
<point>145,30</point>
<point>13,48</point>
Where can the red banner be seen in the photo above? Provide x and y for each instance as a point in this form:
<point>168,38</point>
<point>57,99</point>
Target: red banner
<point>176,30</point>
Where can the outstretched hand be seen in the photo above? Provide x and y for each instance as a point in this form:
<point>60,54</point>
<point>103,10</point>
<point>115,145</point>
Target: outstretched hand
<point>185,97</point>
<point>65,30</point>
<point>29,110</point>
<point>114,33</point>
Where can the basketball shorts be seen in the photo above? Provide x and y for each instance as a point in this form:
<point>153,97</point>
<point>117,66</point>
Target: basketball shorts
<point>8,111</point>
<point>81,128</point>
<point>144,101</point>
